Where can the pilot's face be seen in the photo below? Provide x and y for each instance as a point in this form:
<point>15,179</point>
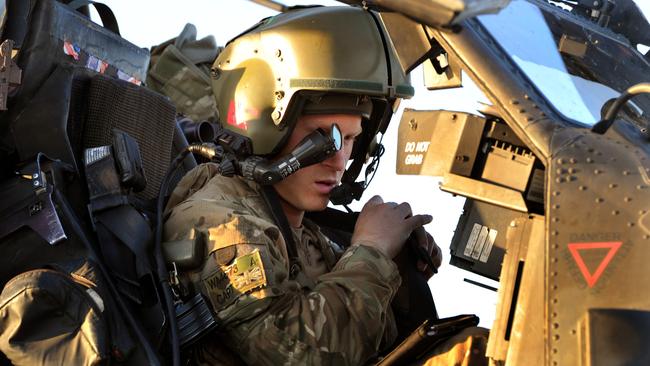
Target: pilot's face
<point>308,189</point>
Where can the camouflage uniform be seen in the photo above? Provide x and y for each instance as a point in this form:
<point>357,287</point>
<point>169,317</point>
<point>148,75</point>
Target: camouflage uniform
<point>336,310</point>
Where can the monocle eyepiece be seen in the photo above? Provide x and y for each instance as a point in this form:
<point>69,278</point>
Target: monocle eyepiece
<point>314,148</point>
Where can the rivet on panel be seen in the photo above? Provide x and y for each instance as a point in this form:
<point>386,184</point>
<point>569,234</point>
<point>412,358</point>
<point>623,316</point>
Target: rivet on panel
<point>590,160</point>
<point>646,236</point>
<point>627,199</point>
<point>640,187</point>
<point>555,207</point>
<point>573,161</point>
<point>556,337</point>
<point>590,150</point>
<point>615,212</point>
<point>630,224</point>
<point>572,170</point>
<point>556,325</point>
<point>555,233</point>
<point>556,193</point>
<point>597,171</point>
<point>554,260</point>
<point>554,301</point>
<point>522,110</point>
<point>556,246</point>
<point>626,172</point>
<point>560,161</point>
<point>599,200</point>
<point>526,96</point>
<point>582,188</point>
<point>559,180</point>
<point>555,219</point>
<point>642,212</point>
<point>613,185</point>
<point>573,331</point>
<point>514,102</point>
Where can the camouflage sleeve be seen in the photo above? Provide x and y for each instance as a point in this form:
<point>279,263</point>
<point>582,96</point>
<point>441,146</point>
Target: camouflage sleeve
<point>341,320</point>
<point>269,319</point>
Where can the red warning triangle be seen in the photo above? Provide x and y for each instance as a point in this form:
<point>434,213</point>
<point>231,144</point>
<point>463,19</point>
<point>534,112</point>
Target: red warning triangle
<point>592,278</point>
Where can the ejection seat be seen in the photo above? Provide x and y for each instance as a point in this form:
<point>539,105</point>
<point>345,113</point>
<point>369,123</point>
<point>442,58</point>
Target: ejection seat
<point>80,82</point>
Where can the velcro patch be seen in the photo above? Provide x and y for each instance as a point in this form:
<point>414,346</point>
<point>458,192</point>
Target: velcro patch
<point>244,275</point>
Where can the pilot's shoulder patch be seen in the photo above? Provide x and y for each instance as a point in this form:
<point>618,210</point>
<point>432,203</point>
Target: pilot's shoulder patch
<point>245,274</point>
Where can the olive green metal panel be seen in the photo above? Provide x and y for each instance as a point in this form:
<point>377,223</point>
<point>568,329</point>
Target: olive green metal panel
<point>438,142</point>
<point>527,336</point>
<point>508,166</point>
<point>598,236</point>
<point>451,77</point>
<point>518,336</point>
<point>483,191</point>
<point>518,236</point>
<point>440,13</point>
<point>514,101</point>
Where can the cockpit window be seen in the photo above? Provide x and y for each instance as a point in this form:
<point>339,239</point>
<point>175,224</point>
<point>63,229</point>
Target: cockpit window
<point>578,66</point>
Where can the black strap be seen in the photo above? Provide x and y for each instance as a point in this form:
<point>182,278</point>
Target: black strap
<point>355,189</point>
<point>135,324</point>
<point>273,202</point>
<point>124,236</point>
<point>105,13</point>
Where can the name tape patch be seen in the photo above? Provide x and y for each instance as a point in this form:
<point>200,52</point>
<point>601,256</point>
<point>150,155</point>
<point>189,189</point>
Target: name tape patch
<point>244,275</point>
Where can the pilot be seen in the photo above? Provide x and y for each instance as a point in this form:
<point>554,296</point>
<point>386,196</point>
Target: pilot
<point>274,84</point>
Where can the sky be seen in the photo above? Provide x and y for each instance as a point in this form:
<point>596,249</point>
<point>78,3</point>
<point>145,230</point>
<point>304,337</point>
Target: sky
<point>148,22</point>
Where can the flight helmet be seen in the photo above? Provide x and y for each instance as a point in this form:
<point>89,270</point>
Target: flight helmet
<point>310,60</point>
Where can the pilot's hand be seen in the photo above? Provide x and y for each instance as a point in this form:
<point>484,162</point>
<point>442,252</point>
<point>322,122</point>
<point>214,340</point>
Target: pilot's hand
<point>433,250</point>
<point>386,226</point>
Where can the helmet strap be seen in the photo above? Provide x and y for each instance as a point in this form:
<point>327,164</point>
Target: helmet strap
<point>349,189</point>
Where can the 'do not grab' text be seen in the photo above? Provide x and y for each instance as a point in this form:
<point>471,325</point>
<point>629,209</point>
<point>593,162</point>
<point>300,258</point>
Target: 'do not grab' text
<point>415,152</point>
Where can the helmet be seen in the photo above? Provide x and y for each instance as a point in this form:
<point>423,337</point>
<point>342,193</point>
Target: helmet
<point>310,60</point>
